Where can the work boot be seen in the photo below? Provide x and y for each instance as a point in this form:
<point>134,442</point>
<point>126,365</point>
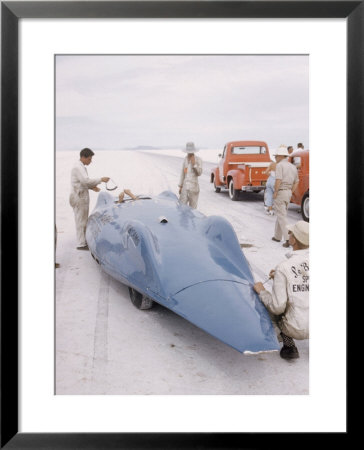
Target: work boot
<point>286,244</point>
<point>289,352</point>
<point>276,240</point>
<point>85,247</point>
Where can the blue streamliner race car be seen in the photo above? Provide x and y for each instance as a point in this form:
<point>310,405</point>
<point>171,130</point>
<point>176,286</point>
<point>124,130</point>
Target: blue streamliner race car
<point>168,253</point>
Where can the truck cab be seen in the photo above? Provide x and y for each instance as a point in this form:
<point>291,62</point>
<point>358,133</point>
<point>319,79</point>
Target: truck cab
<point>241,168</point>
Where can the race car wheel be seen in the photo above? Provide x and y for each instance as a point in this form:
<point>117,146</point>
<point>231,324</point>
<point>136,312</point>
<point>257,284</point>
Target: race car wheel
<point>139,300</point>
<point>217,188</point>
<point>305,207</point>
<point>233,193</point>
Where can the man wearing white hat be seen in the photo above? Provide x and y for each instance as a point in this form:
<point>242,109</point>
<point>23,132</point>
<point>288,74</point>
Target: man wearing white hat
<point>288,304</point>
<point>286,183</point>
<point>189,189</point>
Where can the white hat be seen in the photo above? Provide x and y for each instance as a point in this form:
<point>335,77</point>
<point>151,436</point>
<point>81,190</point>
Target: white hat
<point>190,148</point>
<point>300,230</point>
<point>281,151</point>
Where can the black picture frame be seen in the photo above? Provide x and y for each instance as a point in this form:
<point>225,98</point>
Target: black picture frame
<point>11,12</point>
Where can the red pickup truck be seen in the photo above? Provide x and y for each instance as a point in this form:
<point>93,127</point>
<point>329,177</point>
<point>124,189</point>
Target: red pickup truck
<point>241,168</point>
<point>301,195</point>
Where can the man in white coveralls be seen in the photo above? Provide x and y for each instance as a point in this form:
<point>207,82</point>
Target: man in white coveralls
<point>189,189</point>
<point>79,197</point>
<point>288,304</point>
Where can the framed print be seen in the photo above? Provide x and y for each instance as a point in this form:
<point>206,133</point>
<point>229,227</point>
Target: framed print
<point>203,36</point>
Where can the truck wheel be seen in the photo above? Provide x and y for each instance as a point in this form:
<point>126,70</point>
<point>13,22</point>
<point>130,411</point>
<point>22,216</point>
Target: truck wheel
<point>217,188</point>
<point>305,207</point>
<point>139,300</point>
<point>233,193</point>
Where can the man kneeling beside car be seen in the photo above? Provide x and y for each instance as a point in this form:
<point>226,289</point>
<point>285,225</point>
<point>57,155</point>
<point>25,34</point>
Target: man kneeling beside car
<point>288,304</point>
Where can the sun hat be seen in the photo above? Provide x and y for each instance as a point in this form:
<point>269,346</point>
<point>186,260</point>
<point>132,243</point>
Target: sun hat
<point>281,151</point>
<point>300,231</point>
<point>190,148</point>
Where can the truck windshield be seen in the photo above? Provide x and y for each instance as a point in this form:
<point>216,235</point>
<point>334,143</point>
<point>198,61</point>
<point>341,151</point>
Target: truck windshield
<point>250,150</point>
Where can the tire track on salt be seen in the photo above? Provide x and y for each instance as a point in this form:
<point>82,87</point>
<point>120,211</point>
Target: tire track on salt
<point>100,350</point>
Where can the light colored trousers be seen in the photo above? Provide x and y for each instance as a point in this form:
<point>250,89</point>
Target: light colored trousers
<point>269,191</point>
<point>81,215</point>
<point>188,197</point>
<point>280,206</point>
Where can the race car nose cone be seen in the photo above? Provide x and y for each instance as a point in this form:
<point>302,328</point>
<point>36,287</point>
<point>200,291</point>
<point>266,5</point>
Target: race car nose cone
<point>230,311</point>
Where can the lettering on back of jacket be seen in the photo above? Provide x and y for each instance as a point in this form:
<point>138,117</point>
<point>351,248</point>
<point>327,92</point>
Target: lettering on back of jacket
<point>301,274</point>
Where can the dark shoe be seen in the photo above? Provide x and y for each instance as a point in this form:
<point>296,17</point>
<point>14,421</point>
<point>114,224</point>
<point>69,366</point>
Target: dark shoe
<point>276,240</point>
<point>85,247</point>
<point>286,244</point>
<point>289,352</point>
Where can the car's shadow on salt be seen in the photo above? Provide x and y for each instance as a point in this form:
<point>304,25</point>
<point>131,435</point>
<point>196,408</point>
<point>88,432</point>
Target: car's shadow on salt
<point>247,197</point>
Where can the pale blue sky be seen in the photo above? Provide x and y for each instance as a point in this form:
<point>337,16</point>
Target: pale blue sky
<point>116,101</point>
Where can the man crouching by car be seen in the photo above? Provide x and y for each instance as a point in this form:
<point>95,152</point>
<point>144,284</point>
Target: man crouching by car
<point>288,304</point>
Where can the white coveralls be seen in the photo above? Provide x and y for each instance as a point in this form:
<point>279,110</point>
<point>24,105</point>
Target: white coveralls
<point>80,199</point>
<point>288,304</point>
<point>189,182</point>
<point>287,173</point>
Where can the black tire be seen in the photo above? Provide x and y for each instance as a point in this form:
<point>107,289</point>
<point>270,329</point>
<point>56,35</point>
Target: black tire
<point>139,300</point>
<point>217,188</point>
<point>233,193</point>
<point>305,207</point>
